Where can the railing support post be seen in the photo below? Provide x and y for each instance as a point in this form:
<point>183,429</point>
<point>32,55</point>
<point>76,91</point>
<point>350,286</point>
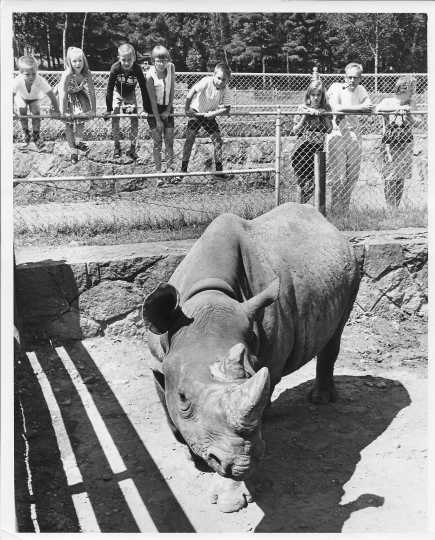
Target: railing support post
<point>320,181</point>
<point>278,157</point>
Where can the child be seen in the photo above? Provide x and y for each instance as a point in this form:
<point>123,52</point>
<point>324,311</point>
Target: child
<point>397,140</point>
<point>311,129</point>
<point>28,89</point>
<point>160,80</point>
<point>208,98</point>
<point>121,95</point>
<point>74,99</point>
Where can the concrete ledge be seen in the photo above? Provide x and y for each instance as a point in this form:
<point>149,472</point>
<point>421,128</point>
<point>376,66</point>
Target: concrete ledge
<point>79,292</point>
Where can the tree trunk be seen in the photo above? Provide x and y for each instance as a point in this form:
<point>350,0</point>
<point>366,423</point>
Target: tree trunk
<point>47,28</point>
<point>83,32</point>
<point>376,53</point>
<point>65,28</point>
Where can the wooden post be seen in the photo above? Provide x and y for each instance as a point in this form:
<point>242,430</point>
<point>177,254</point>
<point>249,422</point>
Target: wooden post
<point>277,157</point>
<point>320,181</point>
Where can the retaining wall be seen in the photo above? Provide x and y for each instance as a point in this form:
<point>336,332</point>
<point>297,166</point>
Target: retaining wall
<point>80,292</point>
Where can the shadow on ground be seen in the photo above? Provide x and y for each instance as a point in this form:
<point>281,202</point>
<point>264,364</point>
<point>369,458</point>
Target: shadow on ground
<point>312,451</point>
<point>52,494</point>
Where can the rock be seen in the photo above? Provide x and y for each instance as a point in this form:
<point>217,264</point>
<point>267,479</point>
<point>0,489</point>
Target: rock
<point>110,300</point>
<point>380,258</point>
<point>131,326</point>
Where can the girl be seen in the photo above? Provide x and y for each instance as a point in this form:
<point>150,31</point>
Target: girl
<point>75,99</point>
<point>310,129</point>
<point>160,84</point>
<point>397,140</point>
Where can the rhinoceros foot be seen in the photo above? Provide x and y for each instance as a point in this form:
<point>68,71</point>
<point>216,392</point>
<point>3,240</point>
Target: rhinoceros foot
<point>230,495</point>
<point>322,396</point>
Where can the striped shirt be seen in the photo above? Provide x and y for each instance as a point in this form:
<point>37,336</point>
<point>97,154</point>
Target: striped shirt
<point>207,97</point>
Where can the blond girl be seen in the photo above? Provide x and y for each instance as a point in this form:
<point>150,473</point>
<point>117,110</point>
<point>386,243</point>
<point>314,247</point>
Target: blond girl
<point>76,97</point>
<point>160,85</point>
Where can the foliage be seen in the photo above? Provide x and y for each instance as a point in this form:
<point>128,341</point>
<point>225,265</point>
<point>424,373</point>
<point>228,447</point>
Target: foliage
<point>272,42</point>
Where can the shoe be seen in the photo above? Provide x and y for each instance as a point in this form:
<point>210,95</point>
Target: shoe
<point>27,137</point>
<point>82,146</point>
<point>74,158</point>
<point>117,152</point>
<point>131,153</point>
<point>223,176</point>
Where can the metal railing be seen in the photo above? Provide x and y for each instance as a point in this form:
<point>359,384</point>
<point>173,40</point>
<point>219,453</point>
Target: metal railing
<point>258,147</point>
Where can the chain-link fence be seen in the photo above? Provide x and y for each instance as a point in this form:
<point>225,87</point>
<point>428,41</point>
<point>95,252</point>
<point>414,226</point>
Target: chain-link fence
<point>263,90</point>
<point>365,169</point>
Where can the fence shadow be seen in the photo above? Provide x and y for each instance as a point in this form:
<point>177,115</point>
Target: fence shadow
<point>32,425</point>
<point>313,451</point>
<point>101,484</point>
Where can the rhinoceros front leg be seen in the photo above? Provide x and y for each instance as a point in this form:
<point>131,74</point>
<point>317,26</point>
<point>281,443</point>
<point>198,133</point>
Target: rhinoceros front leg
<point>230,495</point>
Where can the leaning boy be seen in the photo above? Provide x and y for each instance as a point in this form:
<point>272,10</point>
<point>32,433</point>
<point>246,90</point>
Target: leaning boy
<point>124,75</point>
<point>208,98</point>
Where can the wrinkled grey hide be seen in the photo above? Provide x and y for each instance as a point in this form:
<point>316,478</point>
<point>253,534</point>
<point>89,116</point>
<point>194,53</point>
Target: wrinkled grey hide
<point>252,301</point>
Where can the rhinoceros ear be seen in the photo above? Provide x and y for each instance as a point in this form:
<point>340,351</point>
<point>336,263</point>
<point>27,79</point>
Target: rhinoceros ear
<point>246,402</point>
<point>254,305</point>
<point>161,308</point>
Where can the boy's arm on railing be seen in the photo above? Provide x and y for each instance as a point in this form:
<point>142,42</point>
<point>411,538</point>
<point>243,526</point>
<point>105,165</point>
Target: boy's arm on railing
<point>109,91</point>
<point>171,90</point>
<point>52,98</point>
<point>224,109</point>
<point>189,97</point>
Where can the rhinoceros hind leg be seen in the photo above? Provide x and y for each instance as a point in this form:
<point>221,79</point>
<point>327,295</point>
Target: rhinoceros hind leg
<point>324,390</point>
<point>230,495</point>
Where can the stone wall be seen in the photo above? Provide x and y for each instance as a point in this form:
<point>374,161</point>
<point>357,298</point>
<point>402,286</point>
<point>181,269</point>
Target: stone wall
<point>80,292</point>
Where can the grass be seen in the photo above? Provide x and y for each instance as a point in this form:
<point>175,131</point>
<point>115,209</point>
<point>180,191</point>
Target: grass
<point>175,217</point>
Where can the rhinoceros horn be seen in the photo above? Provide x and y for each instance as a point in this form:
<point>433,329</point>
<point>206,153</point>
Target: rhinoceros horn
<point>233,365</point>
<point>245,403</point>
<point>254,305</point>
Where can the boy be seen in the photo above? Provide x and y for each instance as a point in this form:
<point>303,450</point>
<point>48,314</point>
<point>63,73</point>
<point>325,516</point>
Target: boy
<point>208,98</point>
<point>28,89</point>
<point>121,95</point>
<point>344,144</point>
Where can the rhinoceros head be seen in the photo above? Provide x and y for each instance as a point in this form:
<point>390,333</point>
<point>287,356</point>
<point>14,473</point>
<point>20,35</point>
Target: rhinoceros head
<point>215,391</point>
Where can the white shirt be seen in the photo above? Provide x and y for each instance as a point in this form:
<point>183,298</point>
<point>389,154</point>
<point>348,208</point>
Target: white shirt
<point>207,97</point>
<point>162,87</point>
<point>393,103</point>
<point>340,94</point>
<point>38,90</point>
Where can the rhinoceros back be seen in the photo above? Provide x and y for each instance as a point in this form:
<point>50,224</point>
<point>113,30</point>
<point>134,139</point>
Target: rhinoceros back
<point>319,279</point>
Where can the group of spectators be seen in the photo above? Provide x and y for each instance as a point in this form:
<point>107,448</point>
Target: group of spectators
<point>328,121</point>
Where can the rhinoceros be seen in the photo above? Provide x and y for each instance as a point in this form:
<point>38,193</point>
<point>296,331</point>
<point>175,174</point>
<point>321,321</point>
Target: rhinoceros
<point>253,300</point>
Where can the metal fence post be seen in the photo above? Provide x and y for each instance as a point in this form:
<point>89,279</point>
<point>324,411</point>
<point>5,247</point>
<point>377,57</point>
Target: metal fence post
<point>320,181</point>
<point>277,156</point>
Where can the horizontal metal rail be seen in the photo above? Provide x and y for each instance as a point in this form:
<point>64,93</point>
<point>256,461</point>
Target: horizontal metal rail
<point>180,115</point>
<point>44,179</point>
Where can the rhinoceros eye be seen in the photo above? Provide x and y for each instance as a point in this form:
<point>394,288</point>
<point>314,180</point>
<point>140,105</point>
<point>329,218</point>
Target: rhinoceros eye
<point>184,402</point>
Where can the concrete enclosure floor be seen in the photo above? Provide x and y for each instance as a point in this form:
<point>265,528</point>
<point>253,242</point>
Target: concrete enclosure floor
<point>102,457</point>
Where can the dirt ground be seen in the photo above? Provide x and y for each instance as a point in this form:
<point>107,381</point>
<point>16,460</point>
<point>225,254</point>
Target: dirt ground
<point>358,465</point>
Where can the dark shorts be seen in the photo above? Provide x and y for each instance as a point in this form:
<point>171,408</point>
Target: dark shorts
<point>167,122</point>
<point>303,160</point>
<point>209,124</point>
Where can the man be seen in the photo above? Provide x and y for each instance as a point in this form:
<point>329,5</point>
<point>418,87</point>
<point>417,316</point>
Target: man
<point>344,144</point>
